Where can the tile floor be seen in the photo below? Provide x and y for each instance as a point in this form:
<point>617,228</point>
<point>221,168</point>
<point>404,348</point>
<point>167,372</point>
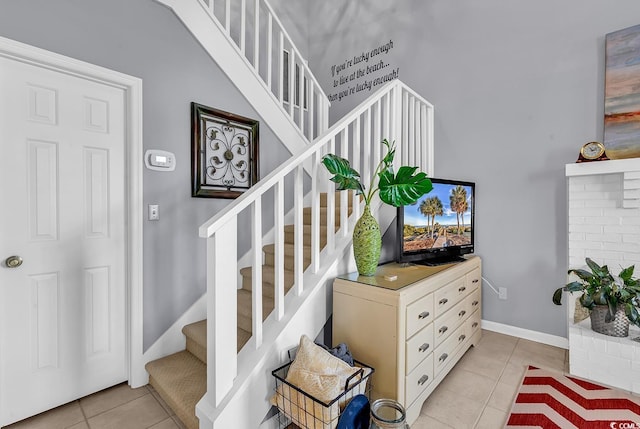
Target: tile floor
<point>477,393</point>
<point>119,407</point>
<point>479,390</point>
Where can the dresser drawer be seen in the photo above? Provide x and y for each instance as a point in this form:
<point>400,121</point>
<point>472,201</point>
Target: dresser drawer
<point>473,279</point>
<point>448,296</point>
<point>418,379</point>
<point>419,314</point>
<point>419,347</point>
<point>474,301</point>
<point>446,324</point>
<point>445,352</point>
<point>449,322</point>
<point>473,324</point>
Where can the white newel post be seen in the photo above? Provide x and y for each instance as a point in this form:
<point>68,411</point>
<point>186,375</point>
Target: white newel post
<point>604,224</point>
<point>222,272</point>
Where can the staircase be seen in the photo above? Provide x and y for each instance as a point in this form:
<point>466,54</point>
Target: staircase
<point>224,375</point>
<point>180,378</point>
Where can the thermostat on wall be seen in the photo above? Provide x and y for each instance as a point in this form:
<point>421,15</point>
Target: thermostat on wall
<point>159,160</point>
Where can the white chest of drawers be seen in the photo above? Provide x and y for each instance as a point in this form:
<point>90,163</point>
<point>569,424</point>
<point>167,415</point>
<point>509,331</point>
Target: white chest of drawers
<point>412,330</point>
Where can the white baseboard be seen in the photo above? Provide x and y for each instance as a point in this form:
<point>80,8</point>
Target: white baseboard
<point>539,337</point>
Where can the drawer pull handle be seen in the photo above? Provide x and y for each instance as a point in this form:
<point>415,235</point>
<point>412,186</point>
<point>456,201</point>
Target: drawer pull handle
<point>443,357</point>
<point>474,324</point>
<point>424,347</point>
<point>443,301</point>
<point>423,380</point>
<point>423,315</point>
<point>462,337</point>
<point>462,289</point>
<point>443,329</point>
<point>474,303</point>
<point>462,313</point>
<point>475,281</point>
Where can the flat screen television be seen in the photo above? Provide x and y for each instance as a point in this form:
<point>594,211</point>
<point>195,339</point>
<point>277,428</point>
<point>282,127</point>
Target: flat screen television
<point>439,227</point>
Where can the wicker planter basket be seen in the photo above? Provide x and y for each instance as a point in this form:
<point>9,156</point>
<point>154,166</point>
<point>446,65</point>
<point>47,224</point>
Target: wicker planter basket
<point>619,327</point>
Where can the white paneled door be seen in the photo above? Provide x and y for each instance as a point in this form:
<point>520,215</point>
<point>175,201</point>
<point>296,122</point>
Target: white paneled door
<point>62,219</point>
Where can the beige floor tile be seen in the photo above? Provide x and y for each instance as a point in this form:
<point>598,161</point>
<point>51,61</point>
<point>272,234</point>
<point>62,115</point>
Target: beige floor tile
<point>156,395</point>
<point>58,418</point>
<point>513,373</point>
<point>107,399</point>
<point>468,384</point>
<point>540,355</point>
<point>492,419</point>
<point>166,424</point>
<point>497,341</point>
<point>81,425</point>
<point>139,413</point>
<point>426,422</point>
<point>452,409</point>
<point>479,364</point>
<point>502,396</point>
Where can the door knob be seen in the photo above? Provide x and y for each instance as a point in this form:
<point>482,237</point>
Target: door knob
<point>13,261</point>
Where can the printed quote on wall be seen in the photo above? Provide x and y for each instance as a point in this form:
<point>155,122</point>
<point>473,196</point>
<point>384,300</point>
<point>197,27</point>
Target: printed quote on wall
<point>362,72</point>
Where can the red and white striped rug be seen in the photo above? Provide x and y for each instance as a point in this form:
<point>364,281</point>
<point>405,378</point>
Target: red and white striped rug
<point>552,400</point>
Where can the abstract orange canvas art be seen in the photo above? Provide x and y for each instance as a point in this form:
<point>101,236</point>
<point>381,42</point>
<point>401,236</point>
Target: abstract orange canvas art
<point>622,94</point>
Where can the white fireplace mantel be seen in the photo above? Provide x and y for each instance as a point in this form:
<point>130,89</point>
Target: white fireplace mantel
<point>628,168</point>
<point>603,224</point>
<point>603,167</point>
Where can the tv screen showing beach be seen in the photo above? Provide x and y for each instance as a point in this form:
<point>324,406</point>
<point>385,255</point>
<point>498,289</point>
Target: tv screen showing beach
<point>442,218</point>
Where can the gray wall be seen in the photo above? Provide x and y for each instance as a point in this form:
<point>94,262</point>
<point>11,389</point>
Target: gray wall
<point>517,88</point>
<point>144,39</point>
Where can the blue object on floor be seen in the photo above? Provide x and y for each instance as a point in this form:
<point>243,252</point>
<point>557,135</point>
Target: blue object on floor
<point>356,414</point>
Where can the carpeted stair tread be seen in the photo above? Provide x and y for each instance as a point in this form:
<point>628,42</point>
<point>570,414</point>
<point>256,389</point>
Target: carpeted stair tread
<point>289,234</point>
<point>289,258</point>
<point>306,215</point>
<point>181,380</point>
<point>245,309</point>
<point>243,337</point>
<point>268,279</point>
<point>196,334</point>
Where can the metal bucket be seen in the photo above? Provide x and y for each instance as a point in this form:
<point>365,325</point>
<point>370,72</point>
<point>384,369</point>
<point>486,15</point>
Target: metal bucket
<point>619,327</point>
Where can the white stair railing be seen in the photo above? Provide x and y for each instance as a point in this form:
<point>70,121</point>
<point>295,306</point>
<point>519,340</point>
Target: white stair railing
<point>259,37</point>
<point>394,112</point>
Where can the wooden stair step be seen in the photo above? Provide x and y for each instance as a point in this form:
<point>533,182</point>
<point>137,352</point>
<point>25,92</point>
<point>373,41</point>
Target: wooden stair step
<point>181,380</point>
<point>196,334</point>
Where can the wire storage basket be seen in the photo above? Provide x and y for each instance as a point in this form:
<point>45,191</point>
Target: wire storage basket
<point>298,409</point>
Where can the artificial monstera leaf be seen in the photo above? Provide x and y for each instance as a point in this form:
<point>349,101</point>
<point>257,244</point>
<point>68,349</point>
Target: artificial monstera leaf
<point>345,176</point>
<point>582,274</point>
<point>404,188</point>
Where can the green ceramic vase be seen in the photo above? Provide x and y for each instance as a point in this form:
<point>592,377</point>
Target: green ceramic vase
<point>367,243</point>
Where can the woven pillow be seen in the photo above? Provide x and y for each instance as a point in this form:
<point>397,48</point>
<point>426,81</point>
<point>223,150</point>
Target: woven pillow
<point>318,373</point>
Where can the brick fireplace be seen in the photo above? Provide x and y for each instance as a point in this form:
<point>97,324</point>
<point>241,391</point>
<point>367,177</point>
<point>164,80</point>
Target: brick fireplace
<point>604,224</point>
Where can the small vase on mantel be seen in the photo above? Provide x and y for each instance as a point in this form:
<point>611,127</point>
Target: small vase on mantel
<point>367,243</point>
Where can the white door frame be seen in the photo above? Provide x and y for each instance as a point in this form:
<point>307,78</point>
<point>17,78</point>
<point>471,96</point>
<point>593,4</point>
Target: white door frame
<point>132,87</point>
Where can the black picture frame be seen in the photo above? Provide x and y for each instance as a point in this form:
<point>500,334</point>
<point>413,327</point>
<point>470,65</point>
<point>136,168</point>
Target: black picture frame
<point>224,153</point>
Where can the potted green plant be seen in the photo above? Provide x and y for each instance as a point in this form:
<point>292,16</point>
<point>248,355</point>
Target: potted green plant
<point>613,301</point>
<point>400,189</point>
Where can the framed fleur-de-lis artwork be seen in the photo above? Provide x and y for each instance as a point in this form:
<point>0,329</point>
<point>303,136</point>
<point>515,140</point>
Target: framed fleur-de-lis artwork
<point>224,153</point>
